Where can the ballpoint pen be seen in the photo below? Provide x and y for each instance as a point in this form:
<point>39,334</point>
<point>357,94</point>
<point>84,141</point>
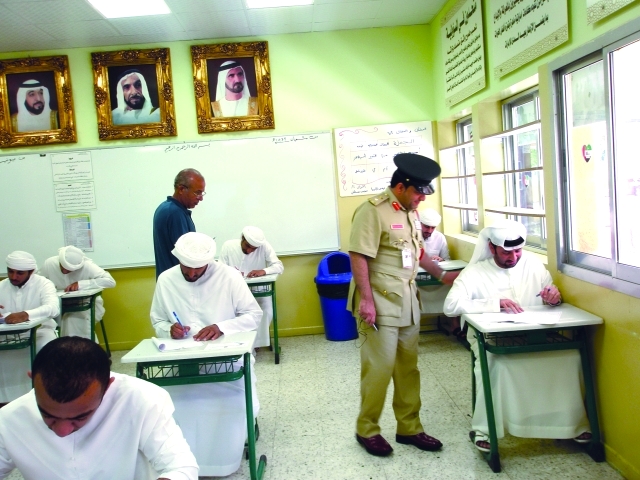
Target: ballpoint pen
<point>180,323</point>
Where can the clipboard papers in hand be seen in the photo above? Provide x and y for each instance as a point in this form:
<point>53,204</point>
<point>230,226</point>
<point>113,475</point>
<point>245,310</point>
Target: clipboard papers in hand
<point>172,344</point>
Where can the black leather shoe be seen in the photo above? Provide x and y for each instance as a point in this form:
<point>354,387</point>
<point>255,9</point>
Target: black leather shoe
<point>420,440</point>
<point>375,445</point>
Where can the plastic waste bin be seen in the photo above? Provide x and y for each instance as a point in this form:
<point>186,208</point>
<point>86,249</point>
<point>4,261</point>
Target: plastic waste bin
<point>332,282</point>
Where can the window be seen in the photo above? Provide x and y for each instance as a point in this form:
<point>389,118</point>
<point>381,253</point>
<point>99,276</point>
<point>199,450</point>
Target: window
<point>523,160</point>
<point>598,111</point>
<point>459,192</point>
<point>467,175</point>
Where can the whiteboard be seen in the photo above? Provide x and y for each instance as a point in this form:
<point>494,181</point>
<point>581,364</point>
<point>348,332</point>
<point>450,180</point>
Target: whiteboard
<point>364,155</point>
<point>284,185</point>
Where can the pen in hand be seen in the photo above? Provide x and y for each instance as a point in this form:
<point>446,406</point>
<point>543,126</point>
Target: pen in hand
<point>180,323</point>
<point>547,289</point>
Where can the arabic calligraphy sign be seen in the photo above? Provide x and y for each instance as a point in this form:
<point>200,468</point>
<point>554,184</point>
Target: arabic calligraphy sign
<point>463,51</point>
<point>523,30</point>
<point>598,9</point>
<point>365,154</point>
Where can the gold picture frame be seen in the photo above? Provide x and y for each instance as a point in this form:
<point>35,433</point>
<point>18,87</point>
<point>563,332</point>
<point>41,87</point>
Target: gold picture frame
<point>148,110</point>
<point>251,60</point>
<point>36,104</point>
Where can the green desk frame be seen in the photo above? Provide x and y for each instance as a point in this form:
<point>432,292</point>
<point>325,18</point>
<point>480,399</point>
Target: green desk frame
<point>209,370</point>
<point>81,303</point>
<point>525,341</point>
<point>268,289</point>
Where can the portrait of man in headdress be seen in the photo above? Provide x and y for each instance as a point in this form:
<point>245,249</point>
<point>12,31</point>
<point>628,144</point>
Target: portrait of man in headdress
<point>32,102</point>
<point>134,95</point>
<point>232,87</point>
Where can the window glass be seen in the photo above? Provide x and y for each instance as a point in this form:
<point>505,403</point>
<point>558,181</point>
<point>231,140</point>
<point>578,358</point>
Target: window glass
<point>626,125</point>
<point>587,165</point>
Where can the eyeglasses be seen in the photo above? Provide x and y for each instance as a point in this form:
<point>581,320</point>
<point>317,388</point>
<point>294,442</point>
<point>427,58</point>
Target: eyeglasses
<point>197,194</point>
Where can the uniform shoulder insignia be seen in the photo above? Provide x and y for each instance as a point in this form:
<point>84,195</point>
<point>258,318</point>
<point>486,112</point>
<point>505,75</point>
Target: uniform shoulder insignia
<point>378,199</point>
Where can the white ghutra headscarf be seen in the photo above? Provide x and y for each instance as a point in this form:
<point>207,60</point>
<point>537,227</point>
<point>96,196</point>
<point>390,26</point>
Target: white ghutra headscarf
<point>27,121</point>
<point>231,108</point>
<point>507,234</point>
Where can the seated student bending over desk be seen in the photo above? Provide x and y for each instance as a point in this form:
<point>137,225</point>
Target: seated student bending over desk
<point>24,295</point>
<point>70,271</point>
<point>536,395</point>
<point>83,421</point>
<point>253,256</point>
<point>202,299</point>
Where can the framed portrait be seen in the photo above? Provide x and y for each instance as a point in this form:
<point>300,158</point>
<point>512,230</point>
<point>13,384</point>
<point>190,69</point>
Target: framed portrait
<point>36,104</point>
<point>134,94</point>
<point>232,83</point>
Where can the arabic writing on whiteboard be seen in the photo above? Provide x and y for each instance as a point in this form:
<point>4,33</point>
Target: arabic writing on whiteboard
<point>364,155</point>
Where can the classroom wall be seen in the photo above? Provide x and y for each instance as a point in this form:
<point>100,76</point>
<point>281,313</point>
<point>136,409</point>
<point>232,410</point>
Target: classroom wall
<point>320,81</point>
<point>615,345</point>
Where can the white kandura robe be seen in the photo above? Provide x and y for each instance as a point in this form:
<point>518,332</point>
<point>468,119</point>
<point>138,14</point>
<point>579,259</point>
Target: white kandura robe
<point>212,415</point>
<point>132,435</point>
<point>263,258</point>
<point>432,296</point>
<point>535,395</point>
<point>89,276</point>
<point>38,298</point>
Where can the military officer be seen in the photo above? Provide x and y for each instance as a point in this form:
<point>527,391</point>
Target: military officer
<point>385,250</point>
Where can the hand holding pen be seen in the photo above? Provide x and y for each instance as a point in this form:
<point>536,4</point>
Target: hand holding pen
<point>550,295</point>
<point>177,329</point>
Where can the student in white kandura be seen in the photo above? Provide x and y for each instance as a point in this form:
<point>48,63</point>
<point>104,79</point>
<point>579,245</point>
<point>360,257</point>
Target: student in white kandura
<point>24,296</point>
<point>71,271</point>
<point>535,395</point>
<point>210,299</point>
<point>82,421</point>
<point>253,256</point>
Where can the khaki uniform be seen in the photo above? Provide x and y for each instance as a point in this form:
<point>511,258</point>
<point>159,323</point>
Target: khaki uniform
<point>381,232</point>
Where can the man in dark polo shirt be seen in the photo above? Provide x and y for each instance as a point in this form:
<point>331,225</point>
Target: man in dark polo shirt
<point>173,217</point>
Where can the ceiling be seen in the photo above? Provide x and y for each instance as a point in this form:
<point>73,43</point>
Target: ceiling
<point>27,25</point>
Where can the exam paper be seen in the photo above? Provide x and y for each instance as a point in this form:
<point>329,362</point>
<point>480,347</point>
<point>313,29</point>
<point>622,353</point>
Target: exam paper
<point>535,318</point>
<point>222,346</point>
<point>171,344</point>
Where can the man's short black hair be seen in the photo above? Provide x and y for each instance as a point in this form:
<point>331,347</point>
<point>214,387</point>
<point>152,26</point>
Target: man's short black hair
<point>397,178</point>
<point>68,365</point>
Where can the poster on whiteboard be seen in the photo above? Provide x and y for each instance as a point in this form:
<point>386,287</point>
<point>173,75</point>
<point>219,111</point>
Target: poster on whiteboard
<point>523,30</point>
<point>364,155</point>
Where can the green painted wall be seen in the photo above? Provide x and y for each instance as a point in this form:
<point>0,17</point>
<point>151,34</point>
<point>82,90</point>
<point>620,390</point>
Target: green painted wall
<point>616,345</point>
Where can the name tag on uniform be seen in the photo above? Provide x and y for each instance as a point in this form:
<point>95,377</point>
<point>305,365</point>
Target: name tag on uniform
<point>418,225</point>
<point>407,260</point>
<point>397,226</point>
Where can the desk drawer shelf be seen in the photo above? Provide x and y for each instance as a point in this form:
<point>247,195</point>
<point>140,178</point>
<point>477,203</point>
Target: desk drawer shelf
<point>15,340</point>
<point>181,372</point>
<point>532,340</point>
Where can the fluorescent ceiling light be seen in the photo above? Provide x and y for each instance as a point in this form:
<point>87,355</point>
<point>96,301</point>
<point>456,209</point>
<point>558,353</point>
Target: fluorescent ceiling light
<point>130,8</point>
<point>276,3</point>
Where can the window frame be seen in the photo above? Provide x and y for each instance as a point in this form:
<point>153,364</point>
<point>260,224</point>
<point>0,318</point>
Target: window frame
<point>576,264</point>
<point>464,144</point>
<point>510,130</point>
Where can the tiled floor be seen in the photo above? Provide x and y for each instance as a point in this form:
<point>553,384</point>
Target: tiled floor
<point>309,403</point>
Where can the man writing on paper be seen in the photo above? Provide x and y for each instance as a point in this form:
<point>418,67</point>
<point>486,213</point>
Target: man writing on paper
<point>535,395</point>
<point>173,217</point>
<point>385,249</point>
<point>232,93</point>
<point>435,244</point>
<point>134,101</point>
<point>253,256</point>
<point>209,299</point>
<point>24,295</point>
<point>34,112</point>
<point>71,271</point>
<point>83,421</point>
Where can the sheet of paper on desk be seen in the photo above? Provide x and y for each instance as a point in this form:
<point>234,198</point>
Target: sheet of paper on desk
<point>222,346</point>
<point>171,344</point>
<point>535,318</point>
